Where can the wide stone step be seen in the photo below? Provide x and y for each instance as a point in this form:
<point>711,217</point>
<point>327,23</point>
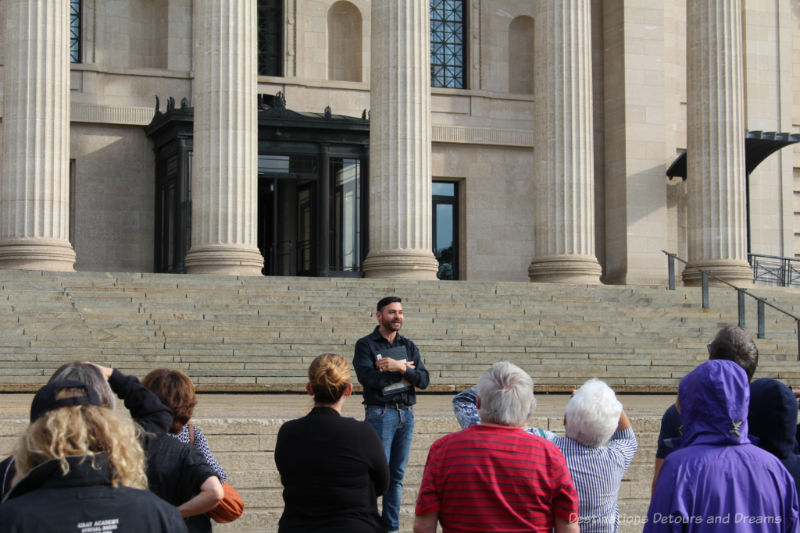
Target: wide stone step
<point>248,331</point>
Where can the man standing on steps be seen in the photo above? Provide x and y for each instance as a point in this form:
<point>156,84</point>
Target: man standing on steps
<point>389,367</point>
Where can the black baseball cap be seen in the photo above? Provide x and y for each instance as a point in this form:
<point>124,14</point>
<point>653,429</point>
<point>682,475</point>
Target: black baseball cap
<point>46,401</point>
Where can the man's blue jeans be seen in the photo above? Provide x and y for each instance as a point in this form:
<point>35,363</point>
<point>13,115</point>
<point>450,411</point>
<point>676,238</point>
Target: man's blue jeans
<point>395,427</point>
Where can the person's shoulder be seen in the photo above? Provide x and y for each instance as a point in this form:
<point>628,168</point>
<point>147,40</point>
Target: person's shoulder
<point>763,457</point>
<point>290,426</point>
<point>671,414</point>
<point>456,436</point>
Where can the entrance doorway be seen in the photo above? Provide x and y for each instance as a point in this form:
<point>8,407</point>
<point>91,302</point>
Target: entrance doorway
<point>286,214</point>
<point>312,190</point>
<point>286,226</point>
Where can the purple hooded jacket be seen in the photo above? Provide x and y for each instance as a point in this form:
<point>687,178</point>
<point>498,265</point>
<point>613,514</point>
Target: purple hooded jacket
<point>718,480</point>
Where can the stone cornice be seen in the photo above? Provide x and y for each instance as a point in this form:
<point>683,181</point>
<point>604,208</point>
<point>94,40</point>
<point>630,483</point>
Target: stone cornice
<point>441,133</point>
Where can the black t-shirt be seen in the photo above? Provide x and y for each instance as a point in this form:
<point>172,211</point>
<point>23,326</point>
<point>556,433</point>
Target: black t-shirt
<point>175,471</point>
<point>671,429</point>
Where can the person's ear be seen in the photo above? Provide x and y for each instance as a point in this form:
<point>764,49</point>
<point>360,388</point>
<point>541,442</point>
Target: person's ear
<point>309,390</point>
<point>565,420</point>
<point>478,403</point>
<point>349,390</point>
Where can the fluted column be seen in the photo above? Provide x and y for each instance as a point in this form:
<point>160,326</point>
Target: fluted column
<point>400,225</point>
<point>34,193</point>
<point>717,238</point>
<point>225,173</point>
<point>563,150</point>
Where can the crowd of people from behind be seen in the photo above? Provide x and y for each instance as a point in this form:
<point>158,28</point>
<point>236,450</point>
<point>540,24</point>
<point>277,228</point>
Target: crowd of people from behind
<point>727,460</point>
<point>91,469</point>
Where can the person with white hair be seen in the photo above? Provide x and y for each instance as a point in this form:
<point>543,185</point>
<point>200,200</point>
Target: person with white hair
<point>599,446</point>
<point>495,476</point>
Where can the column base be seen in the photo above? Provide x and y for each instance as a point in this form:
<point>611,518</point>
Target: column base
<point>566,268</point>
<point>736,272</point>
<point>37,254</point>
<point>401,264</point>
<point>224,259</point>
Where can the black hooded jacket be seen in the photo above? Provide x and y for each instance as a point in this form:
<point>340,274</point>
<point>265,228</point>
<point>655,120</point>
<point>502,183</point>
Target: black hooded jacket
<point>773,419</point>
<point>47,501</point>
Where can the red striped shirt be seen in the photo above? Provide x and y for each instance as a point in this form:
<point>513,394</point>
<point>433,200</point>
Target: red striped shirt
<point>491,478</point>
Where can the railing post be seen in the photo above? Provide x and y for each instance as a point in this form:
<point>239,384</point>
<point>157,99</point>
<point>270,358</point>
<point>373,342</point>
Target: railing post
<point>797,322</point>
<point>761,319</point>
<point>785,267</point>
<point>740,298</point>
<point>705,289</point>
<point>671,269</point>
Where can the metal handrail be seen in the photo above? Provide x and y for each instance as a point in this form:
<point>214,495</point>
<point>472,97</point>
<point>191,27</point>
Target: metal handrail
<point>740,293</point>
<point>773,269</point>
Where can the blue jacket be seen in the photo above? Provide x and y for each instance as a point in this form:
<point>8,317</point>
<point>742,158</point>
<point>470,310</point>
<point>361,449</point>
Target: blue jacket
<point>718,480</point>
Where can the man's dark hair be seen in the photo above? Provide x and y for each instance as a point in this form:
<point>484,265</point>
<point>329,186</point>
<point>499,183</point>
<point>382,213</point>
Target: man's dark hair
<point>735,344</point>
<point>383,302</point>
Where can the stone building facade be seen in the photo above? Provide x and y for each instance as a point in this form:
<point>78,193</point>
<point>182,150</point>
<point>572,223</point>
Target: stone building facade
<point>469,139</point>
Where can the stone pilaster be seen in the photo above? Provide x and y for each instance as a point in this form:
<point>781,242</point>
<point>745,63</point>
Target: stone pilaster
<point>34,193</point>
<point>563,145</point>
<point>717,239</point>
<point>225,163</point>
<point>400,225</point>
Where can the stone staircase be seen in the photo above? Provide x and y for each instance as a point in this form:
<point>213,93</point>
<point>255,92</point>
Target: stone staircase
<point>235,334</point>
<point>253,335</point>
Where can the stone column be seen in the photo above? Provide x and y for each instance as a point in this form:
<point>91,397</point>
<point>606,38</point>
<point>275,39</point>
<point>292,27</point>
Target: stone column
<point>225,174</point>
<point>34,193</point>
<point>400,203</point>
<point>717,239</point>
<point>563,145</point>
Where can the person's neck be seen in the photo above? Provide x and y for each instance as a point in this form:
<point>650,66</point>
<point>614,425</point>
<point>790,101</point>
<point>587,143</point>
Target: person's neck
<point>494,424</point>
<point>388,334</point>
<point>336,406</point>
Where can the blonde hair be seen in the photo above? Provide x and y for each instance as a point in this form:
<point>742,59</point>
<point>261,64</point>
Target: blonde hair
<point>84,430</point>
<point>328,375</point>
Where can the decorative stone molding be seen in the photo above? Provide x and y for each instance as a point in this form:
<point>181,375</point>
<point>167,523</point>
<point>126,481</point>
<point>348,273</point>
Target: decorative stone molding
<point>738,273</point>
<point>224,259</point>
<point>566,268</point>
<point>482,136</point>
<point>400,264</point>
<point>123,115</point>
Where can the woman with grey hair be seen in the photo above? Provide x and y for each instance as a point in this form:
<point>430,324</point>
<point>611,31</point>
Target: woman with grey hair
<point>599,446</point>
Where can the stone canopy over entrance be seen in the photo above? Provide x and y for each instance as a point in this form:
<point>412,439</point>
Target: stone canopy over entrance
<point>312,189</point>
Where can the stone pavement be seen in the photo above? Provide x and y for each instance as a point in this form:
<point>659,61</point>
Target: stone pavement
<point>241,429</point>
